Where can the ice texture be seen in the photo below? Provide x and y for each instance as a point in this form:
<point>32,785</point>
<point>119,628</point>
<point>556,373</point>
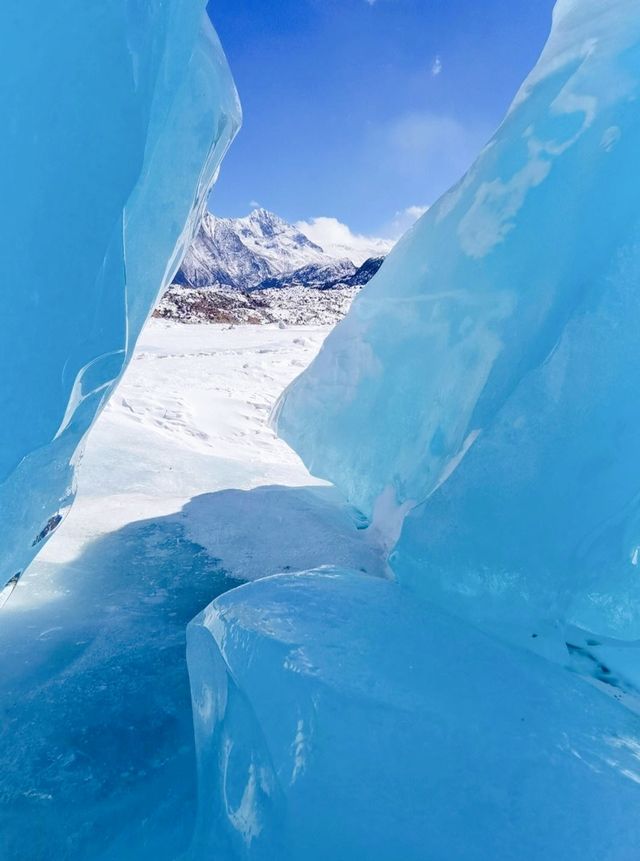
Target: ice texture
<point>117,116</point>
<point>486,379</point>
<point>336,717</point>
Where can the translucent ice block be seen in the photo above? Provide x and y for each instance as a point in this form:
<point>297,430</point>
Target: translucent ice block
<point>336,717</point>
<point>487,377</point>
<point>116,117</point>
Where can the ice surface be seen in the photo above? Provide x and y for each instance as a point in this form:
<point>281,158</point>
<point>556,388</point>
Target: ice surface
<point>183,491</point>
<point>487,377</point>
<point>338,718</point>
<point>117,117</point>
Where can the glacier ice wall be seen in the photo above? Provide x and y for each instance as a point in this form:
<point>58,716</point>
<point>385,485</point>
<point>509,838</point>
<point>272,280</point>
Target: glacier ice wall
<point>117,116</point>
<point>485,380</point>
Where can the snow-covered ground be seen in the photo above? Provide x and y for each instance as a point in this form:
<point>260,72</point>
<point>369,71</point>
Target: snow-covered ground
<point>190,420</point>
<point>184,491</point>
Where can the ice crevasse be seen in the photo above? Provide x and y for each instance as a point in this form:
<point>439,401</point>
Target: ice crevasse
<point>106,162</point>
<point>479,405</point>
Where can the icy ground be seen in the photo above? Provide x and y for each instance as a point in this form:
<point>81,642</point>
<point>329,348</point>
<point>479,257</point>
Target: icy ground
<point>183,491</point>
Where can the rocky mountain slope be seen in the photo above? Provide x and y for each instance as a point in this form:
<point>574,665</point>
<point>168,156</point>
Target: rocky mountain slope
<point>260,269</point>
<point>243,252</point>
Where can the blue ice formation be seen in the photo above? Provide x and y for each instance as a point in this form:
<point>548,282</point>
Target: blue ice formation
<point>117,116</point>
<point>479,405</point>
<point>485,381</point>
<point>336,718</point>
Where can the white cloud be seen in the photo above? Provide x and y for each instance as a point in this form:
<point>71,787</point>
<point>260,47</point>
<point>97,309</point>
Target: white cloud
<point>338,240</point>
<point>253,204</point>
<point>403,220</point>
<point>436,66</point>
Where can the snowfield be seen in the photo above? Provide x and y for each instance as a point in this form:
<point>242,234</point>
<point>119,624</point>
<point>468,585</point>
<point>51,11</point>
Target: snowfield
<point>190,418</point>
<point>184,492</point>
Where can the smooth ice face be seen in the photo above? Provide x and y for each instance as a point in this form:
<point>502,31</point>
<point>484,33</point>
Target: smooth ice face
<point>488,374</point>
<point>117,116</point>
<point>336,717</point>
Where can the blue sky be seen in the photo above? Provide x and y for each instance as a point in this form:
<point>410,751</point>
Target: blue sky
<point>362,110</point>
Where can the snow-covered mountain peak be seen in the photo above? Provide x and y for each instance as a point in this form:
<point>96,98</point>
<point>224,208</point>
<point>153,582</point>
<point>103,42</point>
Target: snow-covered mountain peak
<point>259,249</point>
<point>266,223</point>
<point>283,246</point>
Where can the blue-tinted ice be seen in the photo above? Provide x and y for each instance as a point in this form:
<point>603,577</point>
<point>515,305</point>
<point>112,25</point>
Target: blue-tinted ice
<point>338,718</point>
<point>486,379</point>
<point>479,404</point>
<point>116,117</point>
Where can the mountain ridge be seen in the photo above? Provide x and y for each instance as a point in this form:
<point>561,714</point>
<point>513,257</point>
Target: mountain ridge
<point>261,269</point>
<point>260,250</point>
